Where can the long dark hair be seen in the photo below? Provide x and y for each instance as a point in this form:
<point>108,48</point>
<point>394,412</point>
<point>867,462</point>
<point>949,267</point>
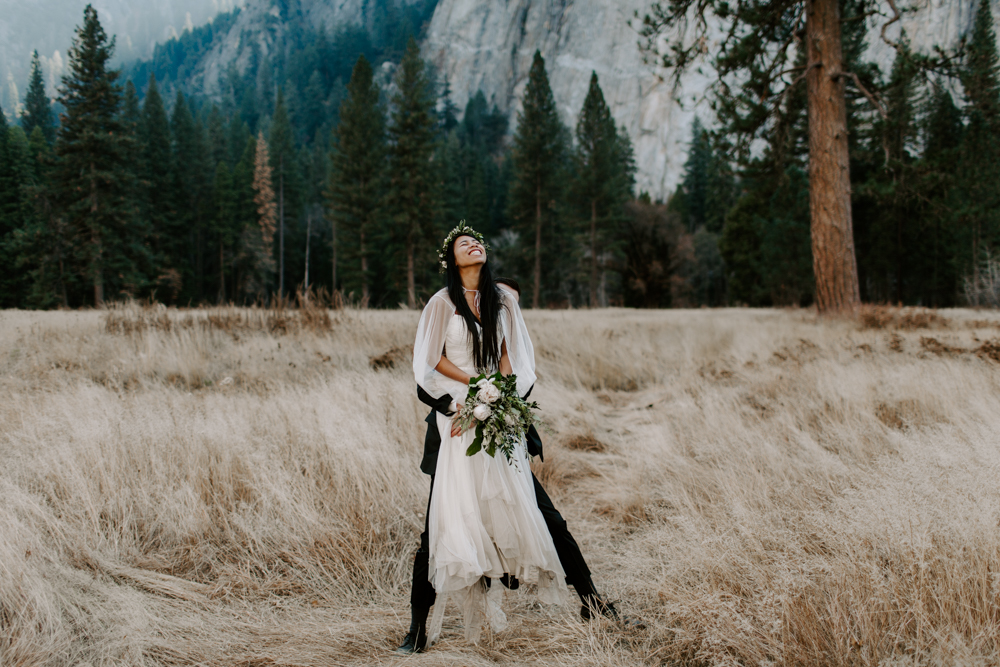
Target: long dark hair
<point>485,349</point>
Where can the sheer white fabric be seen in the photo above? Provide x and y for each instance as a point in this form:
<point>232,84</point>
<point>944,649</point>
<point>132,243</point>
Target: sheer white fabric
<point>519,348</point>
<point>429,348</point>
<point>484,519</point>
<point>430,342</point>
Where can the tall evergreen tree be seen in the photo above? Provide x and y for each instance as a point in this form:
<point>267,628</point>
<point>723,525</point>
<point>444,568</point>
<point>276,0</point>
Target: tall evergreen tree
<point>538,157</point>
<point>979,166</point>
<point>14,165</point>
<point>356,177</point>
<point>186,191</point>
<point>938,174</point>
<point>604,177</point>
<point>282,151</point>
<point>694,192</point>
<point>92,178</point>
<point>37,107</point>
<point>224,221</point>
<point>41,245</point>
<point>892,256</point>
<point>411,174</point>
<point>155,169</point>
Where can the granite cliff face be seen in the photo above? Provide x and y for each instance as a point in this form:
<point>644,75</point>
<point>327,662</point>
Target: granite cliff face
<point>260,28</point>
<point>489,44</point>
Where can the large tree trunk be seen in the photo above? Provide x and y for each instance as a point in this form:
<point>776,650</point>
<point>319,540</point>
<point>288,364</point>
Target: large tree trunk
<point>593,253</point>
<point>538,244</point>
<point>834,263</point>
<point>411,285</point>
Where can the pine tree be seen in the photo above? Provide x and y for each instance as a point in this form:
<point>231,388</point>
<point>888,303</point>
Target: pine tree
<point>982,69</point>
<point>893,262</point>
<point>246,218</point>
<point>765,240</point>
<point>258,239</point>
<point>223,221</point>
<point>187,189</point>
<point>604,176</point>
<point>411,174</point>
<point>538,157</point>
<point>37,107</point>
<point>217,139</point>
<point>9,181</point>
<point>42,244</point>
<point>356,178</point>
<point>282,151</point>
<point>14,165</point>
<point>452,200</point>
<point>938,169</point>
<point>449,112</point>
<point>694,193</point>
<point>92,178</point>
<point>156,177</point>
<point>979,166</point>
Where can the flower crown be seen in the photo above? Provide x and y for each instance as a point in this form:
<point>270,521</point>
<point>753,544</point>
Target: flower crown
<point>461,230</point>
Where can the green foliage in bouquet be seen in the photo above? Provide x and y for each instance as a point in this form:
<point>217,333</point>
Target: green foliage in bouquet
<point>501,417</point>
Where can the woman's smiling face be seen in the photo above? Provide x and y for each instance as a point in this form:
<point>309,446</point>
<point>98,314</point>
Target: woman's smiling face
<point>469,251</point>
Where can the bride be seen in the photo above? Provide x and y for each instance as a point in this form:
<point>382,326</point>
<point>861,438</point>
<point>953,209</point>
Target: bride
<point>484,521</point>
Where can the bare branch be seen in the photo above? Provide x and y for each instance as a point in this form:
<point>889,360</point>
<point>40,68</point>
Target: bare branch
<point>781,54</point>
<point>895,17</point>
<point>871,98</point>
<point>860,17</point>
<point>795,82</point>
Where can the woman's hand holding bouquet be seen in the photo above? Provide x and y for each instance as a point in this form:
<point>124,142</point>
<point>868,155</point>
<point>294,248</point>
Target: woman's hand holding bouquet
<point>500,416</point>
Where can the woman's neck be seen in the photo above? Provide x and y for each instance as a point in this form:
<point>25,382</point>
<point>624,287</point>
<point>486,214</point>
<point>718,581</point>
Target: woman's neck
<point>470,276</point>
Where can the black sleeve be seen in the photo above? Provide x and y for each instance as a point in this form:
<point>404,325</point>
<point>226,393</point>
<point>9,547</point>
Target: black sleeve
<point>440,404</point>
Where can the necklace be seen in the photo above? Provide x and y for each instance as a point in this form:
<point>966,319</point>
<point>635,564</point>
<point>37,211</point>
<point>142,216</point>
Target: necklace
<point>476,300</point>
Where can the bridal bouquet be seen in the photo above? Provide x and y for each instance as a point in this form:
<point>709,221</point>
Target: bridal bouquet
<point>501,417</point>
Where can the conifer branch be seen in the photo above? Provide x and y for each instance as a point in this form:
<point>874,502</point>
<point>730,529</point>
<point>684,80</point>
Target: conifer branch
<point>860,86</point>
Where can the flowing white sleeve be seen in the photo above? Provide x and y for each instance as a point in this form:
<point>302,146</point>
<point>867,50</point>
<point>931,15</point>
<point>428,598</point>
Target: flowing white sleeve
<point>429,348</point>
<point>519,349</point>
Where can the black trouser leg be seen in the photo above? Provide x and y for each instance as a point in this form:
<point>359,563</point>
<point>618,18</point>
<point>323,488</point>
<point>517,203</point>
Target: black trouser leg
<point>577,572</point>
<point>422,593</point>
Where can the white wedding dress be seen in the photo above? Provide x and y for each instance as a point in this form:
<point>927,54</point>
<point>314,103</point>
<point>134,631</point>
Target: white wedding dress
<point>484,520</point>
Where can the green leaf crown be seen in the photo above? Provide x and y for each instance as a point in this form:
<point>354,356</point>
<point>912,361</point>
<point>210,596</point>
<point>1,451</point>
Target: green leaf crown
<point>462,229</point>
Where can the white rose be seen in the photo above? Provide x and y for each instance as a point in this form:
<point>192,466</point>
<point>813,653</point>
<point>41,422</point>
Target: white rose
<point>489,393</point>
<point>510,419</point>
<point>482,412</point>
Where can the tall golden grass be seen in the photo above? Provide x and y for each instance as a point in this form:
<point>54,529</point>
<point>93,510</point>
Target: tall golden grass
<point>240,487</point>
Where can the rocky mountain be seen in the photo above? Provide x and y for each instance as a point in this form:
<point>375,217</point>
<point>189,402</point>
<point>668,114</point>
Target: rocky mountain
<point>477,44</point>
<point>48,26</point>
<point>488,45</point>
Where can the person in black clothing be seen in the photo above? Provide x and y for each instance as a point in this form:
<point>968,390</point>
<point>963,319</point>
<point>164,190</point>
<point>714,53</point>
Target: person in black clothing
<point>422,594</point>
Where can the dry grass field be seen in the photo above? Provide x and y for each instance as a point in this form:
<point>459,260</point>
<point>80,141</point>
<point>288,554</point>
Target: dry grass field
<point>241,487</point>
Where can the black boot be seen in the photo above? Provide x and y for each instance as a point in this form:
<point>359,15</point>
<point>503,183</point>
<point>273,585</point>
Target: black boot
<point>594,606</point>
<point>416,639</point>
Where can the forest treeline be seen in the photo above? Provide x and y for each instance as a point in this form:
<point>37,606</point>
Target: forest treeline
<point>339,162</point>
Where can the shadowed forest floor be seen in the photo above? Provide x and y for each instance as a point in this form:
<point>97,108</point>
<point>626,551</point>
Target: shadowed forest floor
<point>241,487</point>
